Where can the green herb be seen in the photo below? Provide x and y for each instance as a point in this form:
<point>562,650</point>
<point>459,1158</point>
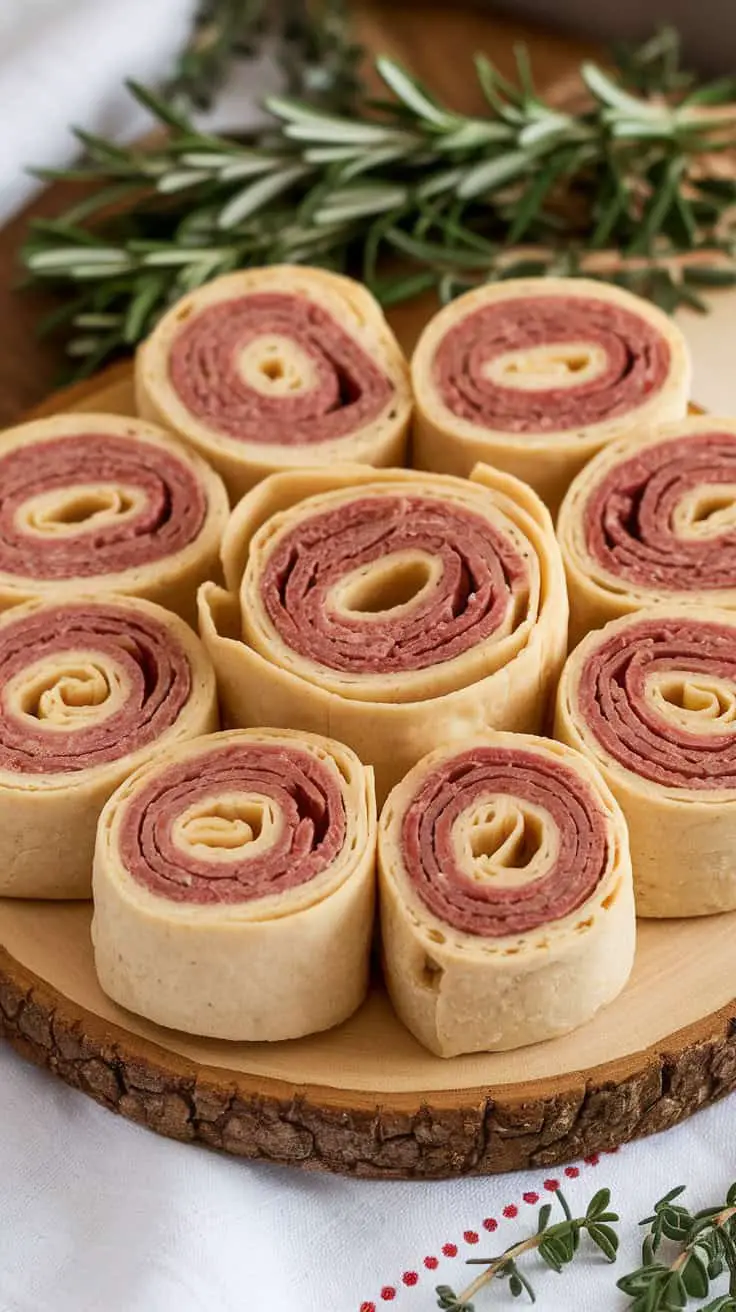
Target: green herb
<point>634,187</point>
<point>706,1249</point>
<point>310,42</point>
<point>557,1246</point>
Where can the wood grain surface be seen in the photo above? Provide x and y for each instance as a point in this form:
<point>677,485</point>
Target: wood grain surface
<point>437,42</point>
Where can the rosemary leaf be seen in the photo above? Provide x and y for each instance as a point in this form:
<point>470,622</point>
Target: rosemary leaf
<point>63,228</point>
<point>721,92</point>
<point>180,181</point>
<point>431,252</point>
<point>703,276</point>
<point>530,202</point>
<point>412,95</point>
<point>252,198</point>
<point>71,257</point>
<point>396,290</point>
<point>492,172</point>
<point>102,199</point>
<point>149,290</point>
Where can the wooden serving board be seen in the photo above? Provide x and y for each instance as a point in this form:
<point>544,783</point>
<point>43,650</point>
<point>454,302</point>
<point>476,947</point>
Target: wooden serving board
<point>367,1098</point>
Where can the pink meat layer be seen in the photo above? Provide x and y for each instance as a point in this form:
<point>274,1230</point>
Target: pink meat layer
<point>148,661</point>
<point>484,580</point>
<point>349,391</point>
<point>303,790</point>
<point>611,701</point>
<point>484,907</point>
<point>637,362</point>
<point>171,518</point>
<point>629,517</point>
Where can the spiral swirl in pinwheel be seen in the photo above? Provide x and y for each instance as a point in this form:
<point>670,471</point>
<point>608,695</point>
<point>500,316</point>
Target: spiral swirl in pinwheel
<point>89,690</point>
<point>277,368</point>
<point>537,374</point>
<point>507,911</point>
<point>93,503</point>
<point>651,699</point>
<point>653,519</point>
<point>394,610</point>
<point>234,886</point>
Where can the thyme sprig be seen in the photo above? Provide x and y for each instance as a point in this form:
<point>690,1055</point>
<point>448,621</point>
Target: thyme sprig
<point>557,1246</point>
<point>706,1244</point>
<point>637,187</point>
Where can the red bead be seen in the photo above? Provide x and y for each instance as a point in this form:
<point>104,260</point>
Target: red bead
<point>431,1263</point>
<point>552,1185</point>
<point>531,1198</point>
<point>367,1307</point>
<point>388,1293</point>
<point>490,1223</point>
<point>572,1172</point>
<point>410,1277</point>
<point>511,1211</point>
<point>470,1237</point>
<point>449,1250</point>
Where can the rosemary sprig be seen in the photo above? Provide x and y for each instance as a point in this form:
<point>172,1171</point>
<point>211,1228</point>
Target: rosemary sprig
<point>222,31</point>
<point>557,1246</point>
<point>310,39</point>
<point>706,1243</point>
<point>638,189</point>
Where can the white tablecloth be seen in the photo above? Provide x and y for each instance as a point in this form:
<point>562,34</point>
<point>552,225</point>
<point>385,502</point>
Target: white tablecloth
<point>64,62</point>
<point>96,1214</point>
<point>100,1216</point>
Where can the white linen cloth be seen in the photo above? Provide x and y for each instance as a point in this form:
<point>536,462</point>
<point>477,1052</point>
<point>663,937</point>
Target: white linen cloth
<point>98,1214</point>
<point>64,62</point>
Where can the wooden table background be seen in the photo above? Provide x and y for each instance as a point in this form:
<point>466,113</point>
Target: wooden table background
<point>436,41</point>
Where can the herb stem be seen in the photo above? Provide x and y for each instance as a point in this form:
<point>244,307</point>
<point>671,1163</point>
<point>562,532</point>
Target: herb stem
<point>509,1255</point>
<point>556,1244</point>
